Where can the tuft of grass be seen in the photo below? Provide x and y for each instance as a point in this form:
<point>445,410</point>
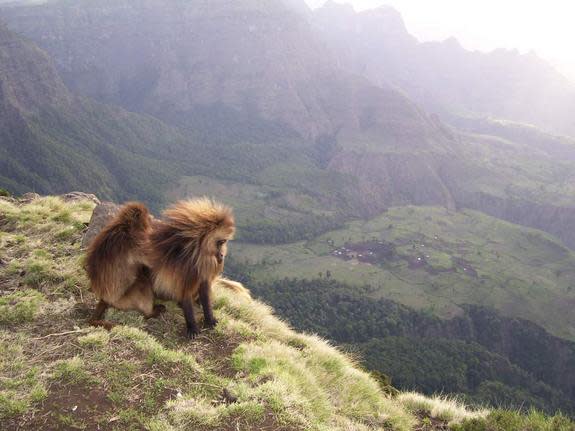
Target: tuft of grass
<point>72,371</point>
<point>20,307</point>
<point>63,215</point>
<point>39,270</point>
<point>97,338</point>
<point>38,393</point>
<point>11,406</point>
<point>157,354</point>
<point>448,409</point>
<point>66,234</point>
<point>199,412</point>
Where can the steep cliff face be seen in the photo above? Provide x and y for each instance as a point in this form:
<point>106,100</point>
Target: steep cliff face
<point>443,76</point>
<point>174,60</point>
<point>394,179</point>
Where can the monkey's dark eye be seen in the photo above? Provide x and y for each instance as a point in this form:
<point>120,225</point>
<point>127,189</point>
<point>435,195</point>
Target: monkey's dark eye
<point>221,242</point>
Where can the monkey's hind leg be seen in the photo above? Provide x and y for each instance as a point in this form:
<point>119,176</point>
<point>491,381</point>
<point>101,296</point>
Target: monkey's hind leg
<point>97,317</point>
<point>140,297</point>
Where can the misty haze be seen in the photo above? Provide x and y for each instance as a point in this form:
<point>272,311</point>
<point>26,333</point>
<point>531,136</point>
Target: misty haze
<point>398,180</point>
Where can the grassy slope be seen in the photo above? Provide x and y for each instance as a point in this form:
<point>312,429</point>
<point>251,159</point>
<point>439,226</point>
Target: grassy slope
<point>466,258</point>
<point>252,372</point>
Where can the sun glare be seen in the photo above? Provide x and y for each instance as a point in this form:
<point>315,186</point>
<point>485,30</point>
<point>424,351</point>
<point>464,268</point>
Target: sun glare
<point>527,25</point>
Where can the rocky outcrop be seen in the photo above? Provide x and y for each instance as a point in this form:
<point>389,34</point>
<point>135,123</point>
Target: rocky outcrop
<point>80,196</point>
<point>101,216</point>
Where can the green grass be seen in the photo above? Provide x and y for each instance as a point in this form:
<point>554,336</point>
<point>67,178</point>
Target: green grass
<point>41,241</point>
<point>20,306</point>
<point>21,383</point>
<point>71,370</point>
<point>470,258</point>
<point>146,374</point>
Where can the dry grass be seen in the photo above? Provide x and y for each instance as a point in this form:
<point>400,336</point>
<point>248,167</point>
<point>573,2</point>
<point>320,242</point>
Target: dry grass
<point>444,408</point>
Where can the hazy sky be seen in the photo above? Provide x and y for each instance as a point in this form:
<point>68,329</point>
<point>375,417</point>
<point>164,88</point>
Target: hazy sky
<point>548,27</point>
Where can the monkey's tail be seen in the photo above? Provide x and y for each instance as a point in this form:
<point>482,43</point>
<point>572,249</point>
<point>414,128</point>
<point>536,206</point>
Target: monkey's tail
<point>133,214</point>
<point>234,286</point>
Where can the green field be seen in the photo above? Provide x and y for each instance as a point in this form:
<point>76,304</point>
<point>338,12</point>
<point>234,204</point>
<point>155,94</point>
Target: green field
<point>440,261</point>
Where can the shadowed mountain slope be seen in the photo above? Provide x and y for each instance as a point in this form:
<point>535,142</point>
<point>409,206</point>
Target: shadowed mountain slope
<point>54,141</point>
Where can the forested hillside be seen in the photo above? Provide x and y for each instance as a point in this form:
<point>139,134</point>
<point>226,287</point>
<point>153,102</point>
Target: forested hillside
<point>54,141</point>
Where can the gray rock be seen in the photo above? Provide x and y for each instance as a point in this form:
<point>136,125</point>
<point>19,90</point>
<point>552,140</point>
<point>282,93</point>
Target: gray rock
<point>29,197</point>
<point>8,199</point>
<point>80,196</point>
<point>101,216</point>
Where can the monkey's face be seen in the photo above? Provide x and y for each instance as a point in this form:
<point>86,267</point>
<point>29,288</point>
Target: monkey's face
<point>221,250</point>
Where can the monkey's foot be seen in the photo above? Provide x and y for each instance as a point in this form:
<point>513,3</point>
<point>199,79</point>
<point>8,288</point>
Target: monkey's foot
<point>193,332</point>
<point>211,324</point>
<point>102,324</point>
<point>158,309</point>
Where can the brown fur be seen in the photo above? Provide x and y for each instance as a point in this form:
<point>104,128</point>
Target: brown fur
<point>133,260</point>
<point>187,250</point>
<point>116,263</point>
<point>234,286</point>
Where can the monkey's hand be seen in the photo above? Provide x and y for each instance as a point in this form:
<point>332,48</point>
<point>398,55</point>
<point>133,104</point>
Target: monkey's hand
<point>158,309</point>
<point>211,323</point>
<point>193,332</point>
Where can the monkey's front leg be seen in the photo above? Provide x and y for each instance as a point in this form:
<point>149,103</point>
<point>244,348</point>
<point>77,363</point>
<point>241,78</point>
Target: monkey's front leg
<point>188,307</point>
<point>206,299</point>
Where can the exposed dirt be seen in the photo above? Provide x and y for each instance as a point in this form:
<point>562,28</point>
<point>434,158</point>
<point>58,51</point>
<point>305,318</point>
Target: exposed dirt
<point>67,408</point>
<point>216,353</point>
<point>427,423</point>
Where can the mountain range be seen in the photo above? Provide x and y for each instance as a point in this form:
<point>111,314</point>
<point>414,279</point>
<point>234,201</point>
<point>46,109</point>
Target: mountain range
<point>443,76</point>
